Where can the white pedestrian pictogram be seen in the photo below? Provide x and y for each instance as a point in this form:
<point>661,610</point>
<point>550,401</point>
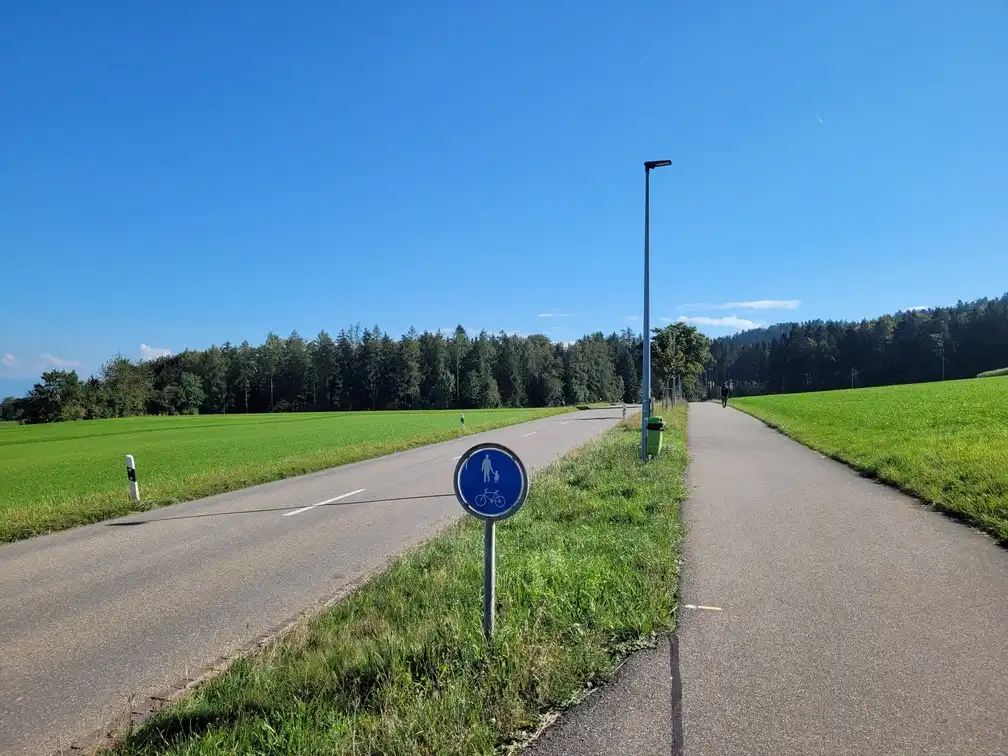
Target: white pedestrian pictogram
<point>487,468</point>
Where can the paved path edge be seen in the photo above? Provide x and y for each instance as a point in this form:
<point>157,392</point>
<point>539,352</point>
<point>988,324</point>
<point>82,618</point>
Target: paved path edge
<point>613,718</point>
<point>933,506</point>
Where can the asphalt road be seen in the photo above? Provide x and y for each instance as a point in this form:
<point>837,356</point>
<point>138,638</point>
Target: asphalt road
<point>93,616</point>
<point>853,619</point>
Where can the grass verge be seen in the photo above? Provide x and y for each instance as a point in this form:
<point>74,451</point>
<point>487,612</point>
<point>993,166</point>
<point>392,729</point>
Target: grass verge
<point>945,443</point>
<point>54,477</point>
<point>587,572</point>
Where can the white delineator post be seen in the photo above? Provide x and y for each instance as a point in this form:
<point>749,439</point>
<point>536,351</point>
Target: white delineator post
<point>131,474</point>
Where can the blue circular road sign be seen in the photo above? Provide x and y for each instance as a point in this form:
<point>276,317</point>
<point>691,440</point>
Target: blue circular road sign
<point>491,482</point>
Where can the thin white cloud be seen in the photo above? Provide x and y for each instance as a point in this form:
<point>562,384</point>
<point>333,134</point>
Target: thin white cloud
<point>764,304</point>
<point>51,360</point>
<point>9,360</point>
<point>729,321</point>
<point>556,314</point>
<point>918,307</point>
<point>757,304</point>
<point>152,353</point>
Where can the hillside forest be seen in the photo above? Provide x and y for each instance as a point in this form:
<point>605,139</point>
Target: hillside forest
<point>366,369</point>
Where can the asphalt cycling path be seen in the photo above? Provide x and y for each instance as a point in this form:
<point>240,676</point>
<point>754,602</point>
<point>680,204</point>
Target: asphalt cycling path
<point>819,613</point>
<point>97,616</point>
<point>853,620</point>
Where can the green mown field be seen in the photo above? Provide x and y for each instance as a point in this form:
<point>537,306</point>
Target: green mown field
<point>946,443</point>
<point>994,373</point>
<point>65,474</point>
<point>587,572</point>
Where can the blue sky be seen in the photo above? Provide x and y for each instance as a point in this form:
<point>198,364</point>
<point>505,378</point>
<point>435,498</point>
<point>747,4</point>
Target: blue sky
<point>187,173</point>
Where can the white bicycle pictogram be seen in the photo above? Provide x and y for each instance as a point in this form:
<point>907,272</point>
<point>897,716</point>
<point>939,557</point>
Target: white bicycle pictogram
<point>490,499</point>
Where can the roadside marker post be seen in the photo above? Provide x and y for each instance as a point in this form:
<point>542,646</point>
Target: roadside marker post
<point>462,420</point>
<point>491,484</point>
<point>131,475</point>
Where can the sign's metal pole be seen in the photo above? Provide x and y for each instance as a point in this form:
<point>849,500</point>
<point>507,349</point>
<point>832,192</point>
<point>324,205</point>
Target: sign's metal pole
<point>491,483</point>
<point>489,577</point>
<point>646,346</point>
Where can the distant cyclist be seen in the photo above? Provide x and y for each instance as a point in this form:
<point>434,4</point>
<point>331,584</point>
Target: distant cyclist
<point>724,394</point>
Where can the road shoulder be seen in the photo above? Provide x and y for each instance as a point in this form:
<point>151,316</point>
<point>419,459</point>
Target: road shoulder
<point>630,715</point>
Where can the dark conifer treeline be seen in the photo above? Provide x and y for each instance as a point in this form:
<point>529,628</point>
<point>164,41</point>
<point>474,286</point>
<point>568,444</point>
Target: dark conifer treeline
<point>909,347</point>
<point>358,369</point>
<point>367,369</point>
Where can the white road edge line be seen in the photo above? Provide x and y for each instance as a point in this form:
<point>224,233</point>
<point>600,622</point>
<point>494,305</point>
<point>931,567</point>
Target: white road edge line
<point>565,422</point>
<point>323,503</point>
<point>525,435</point>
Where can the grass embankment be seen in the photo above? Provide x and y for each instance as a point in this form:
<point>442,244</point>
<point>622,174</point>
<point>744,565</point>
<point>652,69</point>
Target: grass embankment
<point>946,443</point>
<point>587,572</point>
<point>57,476</point>
<point>993,373</point>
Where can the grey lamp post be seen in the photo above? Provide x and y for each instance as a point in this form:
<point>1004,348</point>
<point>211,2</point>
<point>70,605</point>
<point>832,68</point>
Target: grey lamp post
<point>646,388</point>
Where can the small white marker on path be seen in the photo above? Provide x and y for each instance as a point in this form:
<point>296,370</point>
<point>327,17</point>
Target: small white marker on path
<point>323,503</point>
<point>526,435</point>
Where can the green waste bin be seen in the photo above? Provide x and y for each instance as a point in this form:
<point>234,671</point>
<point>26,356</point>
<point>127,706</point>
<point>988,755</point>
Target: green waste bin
<point>655,431</point>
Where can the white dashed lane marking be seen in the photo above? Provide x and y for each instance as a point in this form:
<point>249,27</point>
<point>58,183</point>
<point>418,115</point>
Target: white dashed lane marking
<point>323,503</point>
